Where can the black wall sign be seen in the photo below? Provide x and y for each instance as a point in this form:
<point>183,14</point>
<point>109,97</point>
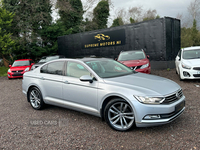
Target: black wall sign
<point>160,38</point>
<point>103,39</point>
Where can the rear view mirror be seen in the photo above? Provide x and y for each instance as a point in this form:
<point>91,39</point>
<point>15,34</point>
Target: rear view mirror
<point>86,78</point>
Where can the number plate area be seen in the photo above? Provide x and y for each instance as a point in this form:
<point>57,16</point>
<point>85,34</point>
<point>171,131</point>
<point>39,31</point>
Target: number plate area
<point>180,106</point>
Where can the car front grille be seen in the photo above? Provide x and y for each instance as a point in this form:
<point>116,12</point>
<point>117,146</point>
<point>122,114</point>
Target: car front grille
<point>196,75</point>
<point>17,71</point>
<point>196,68</point>
<point>135,67</point>
<point>173,97</point>
<point>17,74</point>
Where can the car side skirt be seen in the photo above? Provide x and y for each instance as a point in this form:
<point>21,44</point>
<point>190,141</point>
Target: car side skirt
<point>71,105</point>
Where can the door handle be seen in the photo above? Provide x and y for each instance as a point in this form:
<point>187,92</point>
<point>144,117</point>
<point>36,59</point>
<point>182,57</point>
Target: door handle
<point>42,78</point>
<point>66,82</point>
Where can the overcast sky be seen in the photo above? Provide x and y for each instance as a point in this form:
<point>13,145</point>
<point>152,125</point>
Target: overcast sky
<point>168,8</point>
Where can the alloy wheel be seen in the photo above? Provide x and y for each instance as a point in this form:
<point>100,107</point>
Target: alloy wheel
<point>121,116</point>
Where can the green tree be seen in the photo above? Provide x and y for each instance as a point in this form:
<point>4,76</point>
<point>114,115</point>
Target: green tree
<point>186,39</point>
<point>132,20</point>
<point>6,43</point>
<point>32,16</point>
<point>88,25</point>
<point>150,15</point>
<point>51,33</point>
<point>71,14</point>
<point>194,34</point>
<point>117,22</point>
<point>101,14</point>
<point>190,36</point>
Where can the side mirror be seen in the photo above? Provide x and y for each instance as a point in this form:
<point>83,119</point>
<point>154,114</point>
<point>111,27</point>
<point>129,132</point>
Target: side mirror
<point>148,56</point>
<point>178,58</point>
<point>116,59</point>
<point>10,66</point>
<point>86,78</point>
<point>32,64</point>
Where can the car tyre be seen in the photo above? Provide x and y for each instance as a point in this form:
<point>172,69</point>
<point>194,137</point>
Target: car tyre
<point>35,98</point>
<point>119,115</point>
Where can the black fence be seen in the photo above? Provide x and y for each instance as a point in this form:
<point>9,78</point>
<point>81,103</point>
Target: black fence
<point>159,38</point>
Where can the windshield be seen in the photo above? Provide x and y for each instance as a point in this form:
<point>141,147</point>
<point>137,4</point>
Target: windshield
<point>21,63</point>
<point>109,68</point>
<point>191,54</point>
<point>131,55</point>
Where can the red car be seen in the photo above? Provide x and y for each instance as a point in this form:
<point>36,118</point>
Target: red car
<point>135,59</point>
<point>19,67</point>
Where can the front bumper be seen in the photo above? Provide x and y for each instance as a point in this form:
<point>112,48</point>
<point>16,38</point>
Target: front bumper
<point>145,70</point>
<point>166,113</point>
<point>15,75</point>
<point>189,74</point>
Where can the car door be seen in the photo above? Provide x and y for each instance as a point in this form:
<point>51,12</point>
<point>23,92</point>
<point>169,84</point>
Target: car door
<point>178,60</point>
<point>82,94</point>
<point>51,78</point>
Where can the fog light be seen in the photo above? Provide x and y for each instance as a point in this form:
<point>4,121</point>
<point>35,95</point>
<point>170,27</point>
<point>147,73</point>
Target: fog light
<point>186,74</point>
<point>152,117</point>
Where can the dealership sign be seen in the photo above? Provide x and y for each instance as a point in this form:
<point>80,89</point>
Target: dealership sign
<point>103,39</point>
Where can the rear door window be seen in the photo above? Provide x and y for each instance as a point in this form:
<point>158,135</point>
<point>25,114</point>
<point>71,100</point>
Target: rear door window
<point>53,68</point>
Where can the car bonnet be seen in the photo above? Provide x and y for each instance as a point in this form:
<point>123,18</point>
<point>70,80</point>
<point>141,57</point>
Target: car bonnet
<point>192,62</point>
<point>144,84</point>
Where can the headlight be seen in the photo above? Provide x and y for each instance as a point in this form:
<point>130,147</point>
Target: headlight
<point>150,100</point>
<point>27,69</point>
<point>185,66</point>
<point>9,70</point>
<point>144,66</point>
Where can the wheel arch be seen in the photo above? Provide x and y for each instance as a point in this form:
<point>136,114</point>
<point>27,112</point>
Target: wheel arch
<point>31,86</point>
<point>107,100</point>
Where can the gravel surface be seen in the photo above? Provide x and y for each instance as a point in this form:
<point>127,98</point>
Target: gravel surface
<point>22,127</point>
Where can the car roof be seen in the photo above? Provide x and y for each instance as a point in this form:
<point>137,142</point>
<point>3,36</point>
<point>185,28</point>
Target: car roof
<point>44,57</point>
<point>191,48</point>
<point>23,59</point>
<point>84,59</point>
<point>93,59</point>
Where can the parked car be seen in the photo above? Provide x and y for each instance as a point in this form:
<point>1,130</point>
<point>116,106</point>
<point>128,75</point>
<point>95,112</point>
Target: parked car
<point>107,89</point>
<point>46,59</point>
<point>188,63</point>
<point>135,59</point>
<point>19,67</point>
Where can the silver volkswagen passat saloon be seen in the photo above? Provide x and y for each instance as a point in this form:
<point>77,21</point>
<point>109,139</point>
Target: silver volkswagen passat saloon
<point>107,89</point>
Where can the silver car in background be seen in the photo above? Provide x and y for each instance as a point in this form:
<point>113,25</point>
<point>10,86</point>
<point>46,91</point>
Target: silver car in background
<point>107,89</point>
